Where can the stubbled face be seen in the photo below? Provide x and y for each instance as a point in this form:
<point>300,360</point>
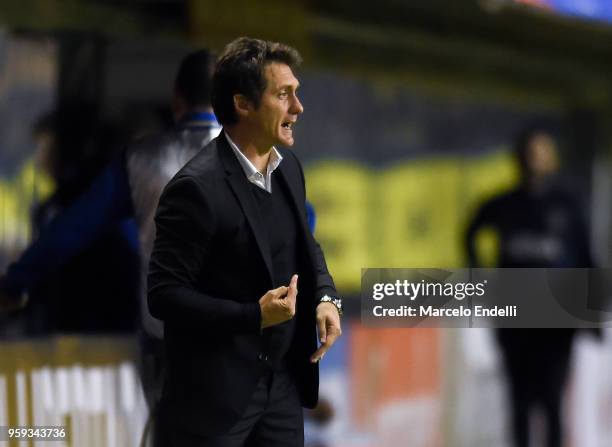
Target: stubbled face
<point>272,122</point>
<point>542,159</point>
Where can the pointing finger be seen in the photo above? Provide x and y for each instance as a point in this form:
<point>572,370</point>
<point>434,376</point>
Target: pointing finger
<point>318,355</point>
<point>321,326</point>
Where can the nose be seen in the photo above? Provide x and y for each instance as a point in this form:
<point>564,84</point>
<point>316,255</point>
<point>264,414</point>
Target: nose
<point>296,106</point>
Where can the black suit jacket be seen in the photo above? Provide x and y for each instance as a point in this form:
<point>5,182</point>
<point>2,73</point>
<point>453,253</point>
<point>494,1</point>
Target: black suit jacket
<point>210,265</point>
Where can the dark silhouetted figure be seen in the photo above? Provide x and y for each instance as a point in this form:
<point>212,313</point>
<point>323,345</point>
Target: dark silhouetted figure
<point>93,289</point>
<point>540,224</point>
<point>127,190</point>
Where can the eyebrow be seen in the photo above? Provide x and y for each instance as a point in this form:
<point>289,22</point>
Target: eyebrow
<point>289,86</point>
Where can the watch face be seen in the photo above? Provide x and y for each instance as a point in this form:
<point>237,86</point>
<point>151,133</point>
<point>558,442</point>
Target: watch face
<point>338,303</point>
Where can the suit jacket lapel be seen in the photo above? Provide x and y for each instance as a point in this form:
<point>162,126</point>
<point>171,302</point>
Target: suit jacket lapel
<point>291,185</point>
<point>240,185</point>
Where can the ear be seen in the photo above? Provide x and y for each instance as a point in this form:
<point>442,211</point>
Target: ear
<point>242,105</point>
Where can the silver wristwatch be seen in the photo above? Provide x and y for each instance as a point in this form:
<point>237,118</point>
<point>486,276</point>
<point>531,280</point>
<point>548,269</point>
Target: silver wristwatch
<point>334,300</point>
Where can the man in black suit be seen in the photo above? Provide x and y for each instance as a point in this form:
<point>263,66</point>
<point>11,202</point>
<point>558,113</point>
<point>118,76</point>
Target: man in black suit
<point>232,239</point>
<point>540,225</point>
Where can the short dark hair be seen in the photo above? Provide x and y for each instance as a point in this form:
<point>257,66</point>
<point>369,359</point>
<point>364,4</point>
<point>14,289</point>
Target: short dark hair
<point>240,70</point>
<point>193,80</point>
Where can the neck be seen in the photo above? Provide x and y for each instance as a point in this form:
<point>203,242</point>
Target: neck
<point>199,109</point>
<point>180,115</point>
<point>257,153</point>
<point>536,184</point>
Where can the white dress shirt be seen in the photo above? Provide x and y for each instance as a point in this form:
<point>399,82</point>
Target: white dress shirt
<point>251,172</point>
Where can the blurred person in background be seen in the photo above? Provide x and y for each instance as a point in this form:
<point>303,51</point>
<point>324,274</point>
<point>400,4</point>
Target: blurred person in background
<point>94,290</point>
<point>152,161</point>
<point>231,237</point>
<point>539,224</point>
<point>129,188</point>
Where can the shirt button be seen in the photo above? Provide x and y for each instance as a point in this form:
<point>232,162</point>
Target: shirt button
<point>260,357</point>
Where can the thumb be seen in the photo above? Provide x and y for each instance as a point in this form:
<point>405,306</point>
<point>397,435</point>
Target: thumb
<point>292,289</point>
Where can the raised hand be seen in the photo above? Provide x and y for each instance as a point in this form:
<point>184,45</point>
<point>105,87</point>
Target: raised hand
<point>278,305</point>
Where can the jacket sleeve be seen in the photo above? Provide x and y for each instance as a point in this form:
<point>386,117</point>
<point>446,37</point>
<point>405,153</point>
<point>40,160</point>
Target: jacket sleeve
<point>324,282</point>
<point>483,217</point>
<point>185,224</point>
<point>106,203</point>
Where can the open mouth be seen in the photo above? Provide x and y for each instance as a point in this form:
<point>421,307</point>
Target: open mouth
<point>288,125</point>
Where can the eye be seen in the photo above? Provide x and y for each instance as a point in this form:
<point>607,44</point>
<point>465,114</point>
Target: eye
<point>283,94</point>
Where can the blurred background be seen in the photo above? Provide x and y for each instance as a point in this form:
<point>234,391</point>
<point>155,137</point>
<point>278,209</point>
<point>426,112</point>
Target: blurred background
<point>412,109</point>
